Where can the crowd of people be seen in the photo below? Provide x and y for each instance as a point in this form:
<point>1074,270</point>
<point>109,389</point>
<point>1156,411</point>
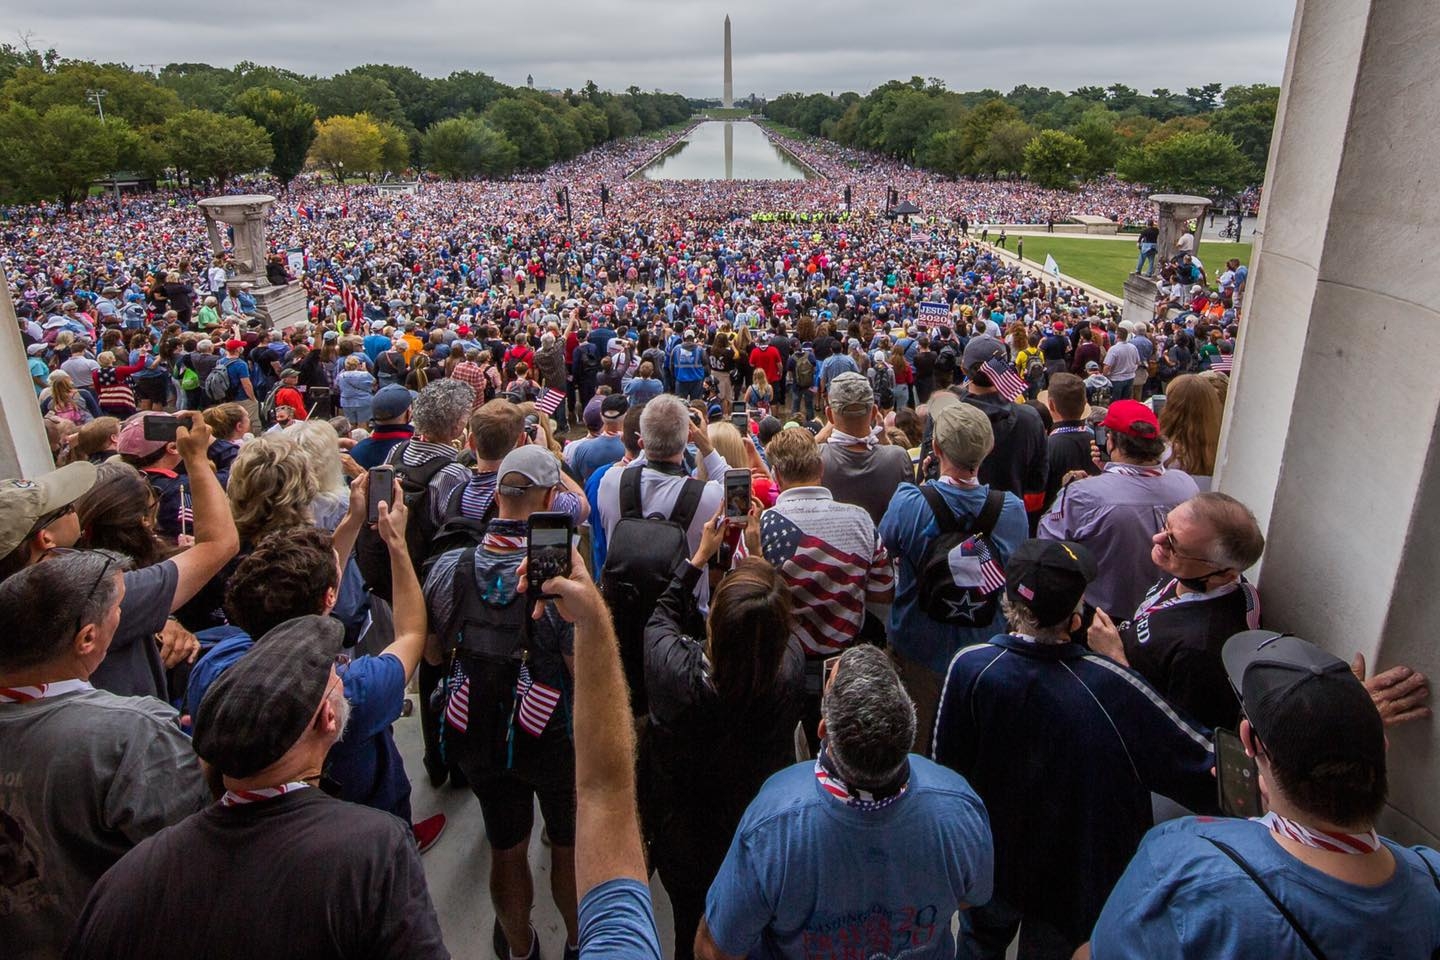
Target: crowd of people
<point>889,584</point>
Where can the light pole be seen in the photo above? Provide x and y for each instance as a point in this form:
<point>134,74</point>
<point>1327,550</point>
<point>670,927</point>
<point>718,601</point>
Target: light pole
<point>97,97</point>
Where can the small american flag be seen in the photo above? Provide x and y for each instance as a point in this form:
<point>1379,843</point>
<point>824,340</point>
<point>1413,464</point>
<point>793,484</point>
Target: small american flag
<point>1007,381</point>
<point>537,703</point>
<point>457,705</point>
<point>1223,363</point>
<point>550,401</point>
<point>972,565</point>
<point>187,512</point>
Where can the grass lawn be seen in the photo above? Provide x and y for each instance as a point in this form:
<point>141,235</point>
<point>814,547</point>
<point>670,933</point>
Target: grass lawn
<point>1106,263</point>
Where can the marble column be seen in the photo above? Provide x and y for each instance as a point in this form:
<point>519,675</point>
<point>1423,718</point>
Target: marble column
<point>1331,432</point>
<point>24,446</point>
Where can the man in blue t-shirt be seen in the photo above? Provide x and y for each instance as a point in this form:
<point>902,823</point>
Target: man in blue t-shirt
<point>294,573</point>
<point>1310,878</point>
<point>867,851</point>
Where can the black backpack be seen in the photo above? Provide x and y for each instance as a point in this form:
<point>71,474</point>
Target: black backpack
<point>942,598</point>
<point>371,555</point>
<point>642,556</point>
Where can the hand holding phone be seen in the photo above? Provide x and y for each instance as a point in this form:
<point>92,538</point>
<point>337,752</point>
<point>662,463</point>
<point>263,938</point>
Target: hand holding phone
<point>547,550</point>
<point>737,495</point>
<point>382,482</point>
<point>1236,775</point>
<point>161,427</point>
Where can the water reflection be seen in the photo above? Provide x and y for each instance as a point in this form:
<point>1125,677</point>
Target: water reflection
<point>727,150</point>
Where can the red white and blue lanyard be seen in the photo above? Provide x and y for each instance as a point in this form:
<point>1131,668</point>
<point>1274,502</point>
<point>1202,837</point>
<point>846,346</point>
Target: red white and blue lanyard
<point>1352,843</point>
<point>1130,470</point>
<point>237,798</point>
<point>41,691</point>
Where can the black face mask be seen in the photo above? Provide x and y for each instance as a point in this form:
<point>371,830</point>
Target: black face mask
<point>1197,584</point>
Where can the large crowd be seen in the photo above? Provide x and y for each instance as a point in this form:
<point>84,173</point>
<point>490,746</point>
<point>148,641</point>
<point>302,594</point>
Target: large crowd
<point>840,572</point>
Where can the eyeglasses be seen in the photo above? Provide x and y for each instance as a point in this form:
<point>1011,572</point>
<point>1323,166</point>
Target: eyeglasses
<point>1174,551</point>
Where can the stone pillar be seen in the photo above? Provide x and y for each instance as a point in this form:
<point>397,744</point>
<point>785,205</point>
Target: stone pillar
<point>24,446</point>
<point>1176,212</point>
<point>1334,441</point>
<point>1141,297</point>
<point>279,306</point>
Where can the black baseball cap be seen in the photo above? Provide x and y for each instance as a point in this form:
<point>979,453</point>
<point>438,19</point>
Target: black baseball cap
<point>1303,702</point>
<point>1049,577</point>
<point>261,705</point>
<point>614,406</point>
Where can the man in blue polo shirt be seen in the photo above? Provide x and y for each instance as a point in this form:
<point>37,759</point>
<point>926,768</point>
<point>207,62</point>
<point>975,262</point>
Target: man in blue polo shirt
<point>295,573</point>
<point>866,851</point>
<point>1309,879</point>
<point>1095,739</point>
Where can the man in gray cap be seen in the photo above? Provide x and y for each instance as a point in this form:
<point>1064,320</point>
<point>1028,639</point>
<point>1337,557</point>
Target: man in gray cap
<point>1311,878</point>
<point>862,466</point>
<point>86,774</point>
<point>505,701</point>
<point>277,867</point>
<point>920,644</point>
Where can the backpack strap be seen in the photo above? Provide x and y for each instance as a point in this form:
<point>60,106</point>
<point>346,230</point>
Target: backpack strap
<point>687,503</point>
<point>1300,931</point>
<point>990,514</point>
<point>464,585</point>
<point>630,493</point>
<point>944,516</point>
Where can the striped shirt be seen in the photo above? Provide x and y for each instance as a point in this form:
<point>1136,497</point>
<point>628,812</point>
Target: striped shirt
<point>830,556</point>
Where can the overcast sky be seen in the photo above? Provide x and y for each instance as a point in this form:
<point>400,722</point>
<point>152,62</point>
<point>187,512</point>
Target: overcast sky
<point>676,46</point>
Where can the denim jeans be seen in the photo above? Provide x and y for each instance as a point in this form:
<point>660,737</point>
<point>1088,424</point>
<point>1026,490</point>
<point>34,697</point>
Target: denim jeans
<point>1147,252</point>
<point>806,397</point>
<point>1121,389</point>
<point>902,396</point>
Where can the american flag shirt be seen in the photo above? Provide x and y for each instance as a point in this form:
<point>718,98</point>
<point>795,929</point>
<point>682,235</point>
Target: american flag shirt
<point>830,556</point>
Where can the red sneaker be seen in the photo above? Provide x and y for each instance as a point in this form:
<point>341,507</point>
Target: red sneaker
<point>427,831</point>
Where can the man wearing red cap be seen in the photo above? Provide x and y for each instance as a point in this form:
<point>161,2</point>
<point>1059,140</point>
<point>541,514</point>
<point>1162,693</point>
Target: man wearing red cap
<point>1116,514</point>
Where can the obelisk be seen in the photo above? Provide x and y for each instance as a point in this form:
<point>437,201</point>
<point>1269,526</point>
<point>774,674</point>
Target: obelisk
<point>729,100</point>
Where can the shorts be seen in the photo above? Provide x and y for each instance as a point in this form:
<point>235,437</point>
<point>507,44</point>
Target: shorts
<point>153,389</point>
<point>543,767</point>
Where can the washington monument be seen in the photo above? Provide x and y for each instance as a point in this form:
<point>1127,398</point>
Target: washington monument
<point>729,100</point>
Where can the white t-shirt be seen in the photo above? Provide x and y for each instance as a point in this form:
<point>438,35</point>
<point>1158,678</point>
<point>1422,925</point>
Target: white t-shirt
<point>1122,360</point>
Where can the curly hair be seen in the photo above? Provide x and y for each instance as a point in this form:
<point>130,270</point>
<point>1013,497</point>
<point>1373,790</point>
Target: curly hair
<point>286,576</point>
<point>272,485</point>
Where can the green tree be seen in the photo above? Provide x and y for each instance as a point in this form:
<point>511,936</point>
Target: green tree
<point>416,93</point>
<point>912,116</point>
<point>288,120</point>
<point>353,92</point>
<point>1096,130</point>
<point>522,126</point>
<point>976,131</point>
<point>12,58</point>
<point>1189,163</point>
<point>130,96</point>
<point>464,147</point>
<point>59,153</point>
<point>347,145</point>
<point>1004,152</point>
<point>943,152</point>
<point>199,85</point>
<point>211,146</point>
<point>394,147</point>
<point>1248,117</point>
<point>1055,158</point>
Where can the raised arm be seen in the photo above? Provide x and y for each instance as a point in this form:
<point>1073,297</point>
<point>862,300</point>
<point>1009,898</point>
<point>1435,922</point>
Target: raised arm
<point>411,619</point>
<point>216,541</point>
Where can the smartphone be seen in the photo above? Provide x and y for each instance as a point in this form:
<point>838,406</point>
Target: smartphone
<point>737,408</point>
<point>548,550</point>
<point>1157,403</point>
<point>740,420</point>
<point>161,427</point>
<point>1236,775</point>
<point>1100,443</point>
<point>382,488</point>
<point>737,494</point>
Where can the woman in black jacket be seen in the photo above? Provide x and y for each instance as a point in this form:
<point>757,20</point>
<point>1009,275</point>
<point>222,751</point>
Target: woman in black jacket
<point>725,696</point>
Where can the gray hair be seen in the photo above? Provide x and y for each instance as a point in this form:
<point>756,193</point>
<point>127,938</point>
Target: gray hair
<point>441,410</point>
<point>1237,542</point>
<point>547,340</point>
<point>665,427</point>
<point>869,718</point>
<point>46,604</point>
<point>1022,620</point>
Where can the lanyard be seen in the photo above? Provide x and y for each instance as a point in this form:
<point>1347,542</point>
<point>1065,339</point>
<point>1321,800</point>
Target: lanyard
<point>41,691</point>
<point>1353,843</point>
<point>237,798</point>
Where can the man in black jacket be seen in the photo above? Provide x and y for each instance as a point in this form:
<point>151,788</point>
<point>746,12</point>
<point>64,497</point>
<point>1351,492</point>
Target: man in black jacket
<point>1018,462</point>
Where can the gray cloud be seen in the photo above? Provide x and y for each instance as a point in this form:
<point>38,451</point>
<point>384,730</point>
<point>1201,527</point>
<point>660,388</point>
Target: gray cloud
<point>844,45</point>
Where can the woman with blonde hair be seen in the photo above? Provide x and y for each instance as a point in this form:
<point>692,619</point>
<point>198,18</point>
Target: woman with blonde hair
<point>321,444</point>
<point>97,441</point>
<point>740,454</point>
<point>760,395</point>
<point>272,486</point>
<point>1190,424</point>
<point>67,403</point>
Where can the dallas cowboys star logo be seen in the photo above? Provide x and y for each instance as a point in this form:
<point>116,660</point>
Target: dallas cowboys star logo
<point>967,607</point>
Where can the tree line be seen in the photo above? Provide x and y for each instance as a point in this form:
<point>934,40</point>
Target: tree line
<point>201,123</point>
<point>1205,140</point>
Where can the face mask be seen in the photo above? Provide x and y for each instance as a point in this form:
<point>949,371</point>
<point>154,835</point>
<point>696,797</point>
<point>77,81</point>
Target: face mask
<point>1197,584</point>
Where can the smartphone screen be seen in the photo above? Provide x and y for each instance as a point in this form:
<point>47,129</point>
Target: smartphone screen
<point>740,420</point>
<point>161,427</point>
<point>737,408</point>
<point>382,488</point>
<point>1100,442</point>
<point>737,494</point>
<point>1157,403</point>
<point>1236,775</point>
<point>548,549</point>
